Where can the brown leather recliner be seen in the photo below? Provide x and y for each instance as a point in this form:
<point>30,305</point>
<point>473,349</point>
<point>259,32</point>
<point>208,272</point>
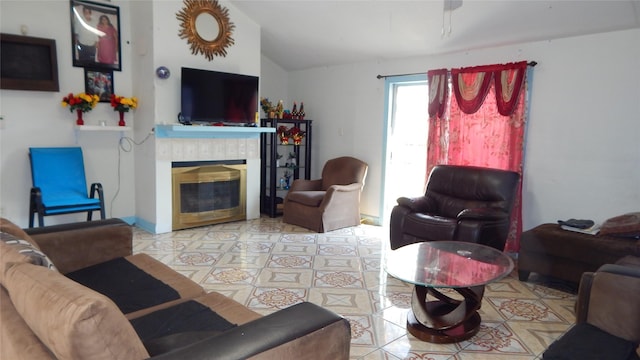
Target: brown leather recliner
<point>329,203</point>
<point>464,203</point>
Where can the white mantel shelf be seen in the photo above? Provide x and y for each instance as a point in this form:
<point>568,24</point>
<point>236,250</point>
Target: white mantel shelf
<point>200,131</point>
<point>102,128</point>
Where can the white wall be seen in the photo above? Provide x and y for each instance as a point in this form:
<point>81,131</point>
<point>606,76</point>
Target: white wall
<point>273,83</point>
<point>149,38</point>
<point>36,119</point>
<point>582,154</point>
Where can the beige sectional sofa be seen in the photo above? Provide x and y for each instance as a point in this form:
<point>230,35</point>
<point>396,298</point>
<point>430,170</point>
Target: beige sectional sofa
<point>76,291</point>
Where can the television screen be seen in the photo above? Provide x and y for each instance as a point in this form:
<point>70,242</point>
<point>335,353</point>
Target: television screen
<point>212,96</point>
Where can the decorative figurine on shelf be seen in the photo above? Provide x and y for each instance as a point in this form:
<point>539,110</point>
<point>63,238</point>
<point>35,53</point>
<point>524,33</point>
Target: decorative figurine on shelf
<point>301,113</point>
<point>297,135</point>
<point>292,160</point>
<point>267,107</point>
<point>278,157</point>
<point>287,179</point>
<point>294,111</point>
<point>280,109</point>
<point>283,134</point>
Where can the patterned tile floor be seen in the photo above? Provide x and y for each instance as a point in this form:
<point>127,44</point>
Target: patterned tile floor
<point>267,265</point>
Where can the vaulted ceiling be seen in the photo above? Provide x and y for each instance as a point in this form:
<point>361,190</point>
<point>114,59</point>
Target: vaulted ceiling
<point>302,34</point>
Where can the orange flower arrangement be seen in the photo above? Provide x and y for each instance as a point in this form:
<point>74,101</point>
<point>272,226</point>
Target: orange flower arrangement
<point>83,102</point>
<point>123,104</point>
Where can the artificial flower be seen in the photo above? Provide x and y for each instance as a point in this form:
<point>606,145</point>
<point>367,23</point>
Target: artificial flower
<point>83,102</point>
<point>123,104</point>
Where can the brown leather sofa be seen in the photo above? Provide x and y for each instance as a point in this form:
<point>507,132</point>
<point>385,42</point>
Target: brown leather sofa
<point>331,202</point>
<point>75,291</point>
<point>463,203</point>
<point>549,250</point>
<point>607,317</point>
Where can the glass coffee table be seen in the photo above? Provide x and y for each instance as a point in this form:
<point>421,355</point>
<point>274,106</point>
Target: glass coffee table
<point>463,267</point>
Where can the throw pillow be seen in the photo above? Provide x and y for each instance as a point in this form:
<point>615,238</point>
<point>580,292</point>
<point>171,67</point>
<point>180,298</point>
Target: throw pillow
<point>26,252</point>
<point>74,322</point>
<point>13,229</point>
<point>627,224</point>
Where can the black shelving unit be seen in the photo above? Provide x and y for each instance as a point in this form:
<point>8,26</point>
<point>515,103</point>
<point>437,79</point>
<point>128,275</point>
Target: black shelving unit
<point>271,193</point>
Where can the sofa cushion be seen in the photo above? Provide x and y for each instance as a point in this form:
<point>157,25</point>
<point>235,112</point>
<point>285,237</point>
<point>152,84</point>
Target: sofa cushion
<point>189,316</point>
<point>439,227</point>
<point>623,225</point>
<point>309,198</point>
<point>17,341</point>
<point>78,323</point>
<point>137,284</point>
<point>128,286</point>
<point>585,341</point>
<point>189,322</point>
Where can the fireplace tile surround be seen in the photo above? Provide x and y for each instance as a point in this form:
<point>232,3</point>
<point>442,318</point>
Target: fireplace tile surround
<point>176,143</point>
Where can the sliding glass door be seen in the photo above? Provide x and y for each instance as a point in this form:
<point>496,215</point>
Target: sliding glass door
<point>405,139</point>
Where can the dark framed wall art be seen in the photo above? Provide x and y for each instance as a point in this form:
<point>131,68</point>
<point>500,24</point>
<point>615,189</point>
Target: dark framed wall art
<point>28,63</point>
<point>99,82</point>
<point>95,35</point>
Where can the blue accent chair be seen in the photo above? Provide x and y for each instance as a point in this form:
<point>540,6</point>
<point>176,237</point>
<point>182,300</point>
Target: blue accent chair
<point>60,186</point>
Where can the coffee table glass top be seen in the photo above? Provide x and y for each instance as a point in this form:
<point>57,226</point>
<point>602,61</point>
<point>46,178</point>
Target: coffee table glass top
<point>449,264</point>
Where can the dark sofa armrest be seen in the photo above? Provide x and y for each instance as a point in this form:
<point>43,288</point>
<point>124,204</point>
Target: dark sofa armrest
<point>421,204</point>
<point>78,245</point>
<point>613,301</point>
<point>301,331</point>
<point>483,214</point>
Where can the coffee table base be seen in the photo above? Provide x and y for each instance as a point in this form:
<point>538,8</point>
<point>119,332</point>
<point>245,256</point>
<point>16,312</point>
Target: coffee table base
<point>459,333</point>
<point>445,320</point>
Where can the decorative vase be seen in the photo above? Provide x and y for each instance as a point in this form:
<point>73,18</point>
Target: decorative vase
<point>79,121</point>
<point>121,122</point>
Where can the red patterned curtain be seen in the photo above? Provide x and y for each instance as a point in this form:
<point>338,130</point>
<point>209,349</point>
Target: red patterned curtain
<point>485,126</point>
<point>438,129</point>
<point>438,92</point>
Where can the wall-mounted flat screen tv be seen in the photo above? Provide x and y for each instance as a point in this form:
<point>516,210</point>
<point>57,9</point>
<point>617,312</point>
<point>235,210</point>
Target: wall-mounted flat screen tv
<point>212,97</point>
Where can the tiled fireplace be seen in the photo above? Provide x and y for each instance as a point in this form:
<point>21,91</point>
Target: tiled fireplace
<point>208,192</point>
<point>205,144</point>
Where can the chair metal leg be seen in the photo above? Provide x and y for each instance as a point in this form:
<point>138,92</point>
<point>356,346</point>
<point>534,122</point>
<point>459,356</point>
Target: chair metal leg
<point>97,188</point>
<point>35,206</point>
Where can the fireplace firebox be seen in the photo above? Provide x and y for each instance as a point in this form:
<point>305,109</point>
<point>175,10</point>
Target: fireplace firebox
<point>208,194</point>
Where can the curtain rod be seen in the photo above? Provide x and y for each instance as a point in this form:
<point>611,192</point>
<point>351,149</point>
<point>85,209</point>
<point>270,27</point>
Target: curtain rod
<point>530,63</point>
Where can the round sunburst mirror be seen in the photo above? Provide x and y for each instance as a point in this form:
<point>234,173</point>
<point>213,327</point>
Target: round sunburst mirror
<point>206,26</point>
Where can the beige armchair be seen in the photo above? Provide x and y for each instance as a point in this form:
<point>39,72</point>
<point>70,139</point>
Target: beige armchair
<point>329,203</point>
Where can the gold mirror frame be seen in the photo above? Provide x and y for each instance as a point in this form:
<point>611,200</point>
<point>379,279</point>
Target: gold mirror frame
<point>209,48</point>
